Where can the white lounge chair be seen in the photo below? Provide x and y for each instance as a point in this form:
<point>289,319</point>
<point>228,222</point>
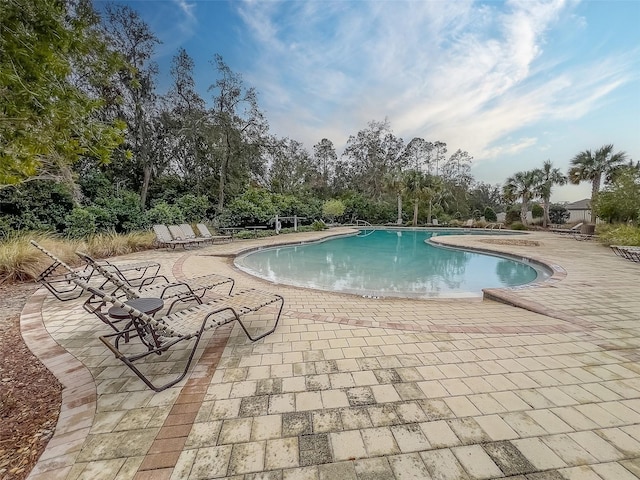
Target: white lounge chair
<point>204,232</point>
<point>164,238</point>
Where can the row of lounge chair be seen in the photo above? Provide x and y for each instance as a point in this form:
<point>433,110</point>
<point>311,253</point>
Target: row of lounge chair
<point>114,289</point>
<point>183,235</point>
<point>579,231</point>
<point>628,252</point>
<point>568,231</point>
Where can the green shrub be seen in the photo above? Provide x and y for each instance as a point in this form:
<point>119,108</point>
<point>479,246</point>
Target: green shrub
<point>558,214</point>
<point>5,228</point>
<point>194,207</point>
<point>537,211</point>
<point>512,215</point>
<point>80,223</point>
<point>618,234</point>
<point>318,226</point>
<point>247,234</point>
<point>518,226</point>
<point>164,213</point>
<point>253,207</point>
<point>95,185</point>
<point>36,205</point>
<point>490,215</point>
<point>358,207</point>
<point>105,218</point>
<point>333,209</point>
<point>620,201</point>
<point>125,210</point>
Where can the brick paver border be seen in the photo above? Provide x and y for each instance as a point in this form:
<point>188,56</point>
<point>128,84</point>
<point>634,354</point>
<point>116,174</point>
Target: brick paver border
<point>79,394</point>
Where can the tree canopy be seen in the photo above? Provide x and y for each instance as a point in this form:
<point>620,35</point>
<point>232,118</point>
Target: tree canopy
<point>52,52</point>
<point>89,143</point>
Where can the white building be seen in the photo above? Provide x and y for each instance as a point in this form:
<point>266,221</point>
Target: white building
<point>579,211</point>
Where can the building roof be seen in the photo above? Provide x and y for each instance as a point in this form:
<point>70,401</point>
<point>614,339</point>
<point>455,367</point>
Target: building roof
<point>584,204</point>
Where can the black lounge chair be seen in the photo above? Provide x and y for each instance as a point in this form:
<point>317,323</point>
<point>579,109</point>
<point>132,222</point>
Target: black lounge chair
<point>629,252</point>
<point>60,284</point>
<point>192,289</point>
<point>159,335</point>
<point>139,270</point>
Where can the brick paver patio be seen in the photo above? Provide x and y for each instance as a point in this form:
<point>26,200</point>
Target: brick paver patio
<point>358,388</point>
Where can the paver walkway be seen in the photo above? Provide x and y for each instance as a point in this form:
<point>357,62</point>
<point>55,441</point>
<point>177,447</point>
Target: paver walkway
<point>356,388</point>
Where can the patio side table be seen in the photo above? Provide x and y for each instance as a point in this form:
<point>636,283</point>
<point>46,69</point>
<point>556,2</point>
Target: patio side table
<point>150,306</point>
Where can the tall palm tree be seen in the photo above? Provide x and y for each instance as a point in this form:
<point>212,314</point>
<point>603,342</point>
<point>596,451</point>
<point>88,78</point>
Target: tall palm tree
<point>548,177</point>
<point>394,183</point>
<point>592,167</point>
<point>522,186</point>
<point>415,187</point>
<point>435,192</point>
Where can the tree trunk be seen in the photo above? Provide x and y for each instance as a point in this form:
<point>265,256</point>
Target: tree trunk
<point>415,213</point>
<point>523,212</point>
<point>399,197</point>
<point>146,180</point>
<point>223,174</point>
<point>545,219</point>
<point>595,188</point>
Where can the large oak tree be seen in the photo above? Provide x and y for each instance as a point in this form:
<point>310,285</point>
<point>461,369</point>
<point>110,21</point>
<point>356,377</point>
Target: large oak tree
<point>51,51</point>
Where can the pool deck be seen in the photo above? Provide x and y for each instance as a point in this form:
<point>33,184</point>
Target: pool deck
<point>355,388</point>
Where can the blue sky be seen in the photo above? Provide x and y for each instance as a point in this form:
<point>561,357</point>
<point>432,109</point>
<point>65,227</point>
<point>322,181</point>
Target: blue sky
<point>513,83</point>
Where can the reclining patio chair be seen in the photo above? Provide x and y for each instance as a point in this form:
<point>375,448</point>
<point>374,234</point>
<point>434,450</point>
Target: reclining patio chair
<point>628,252</point>
<point>568,231</point>
<point>178,234</point>
<point>164,238</point>
<point>192,289</point>
<point>191,235</point>
<point>64,289</point>
<point>61,285</point>
<point>159,335</point>
<point>139,270</point>
<point>205,233</point>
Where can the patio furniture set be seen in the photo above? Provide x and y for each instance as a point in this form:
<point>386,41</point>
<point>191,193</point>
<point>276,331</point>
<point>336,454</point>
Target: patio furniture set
<point>183,235</point>
<point>116,297</point>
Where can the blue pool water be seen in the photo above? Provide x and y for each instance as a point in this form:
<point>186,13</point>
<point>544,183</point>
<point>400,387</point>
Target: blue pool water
<point>387,263</point>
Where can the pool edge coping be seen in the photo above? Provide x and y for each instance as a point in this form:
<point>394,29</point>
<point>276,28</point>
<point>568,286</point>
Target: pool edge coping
<point>507,295</point>
<point>558,273</point>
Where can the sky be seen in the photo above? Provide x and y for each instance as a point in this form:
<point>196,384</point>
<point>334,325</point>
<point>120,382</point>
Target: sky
<point>513,83</point>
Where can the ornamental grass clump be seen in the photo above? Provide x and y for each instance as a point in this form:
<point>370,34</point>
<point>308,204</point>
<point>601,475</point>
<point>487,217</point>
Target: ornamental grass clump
<point>618,234</point>
<point>110,244</point>
<point>20,261</point>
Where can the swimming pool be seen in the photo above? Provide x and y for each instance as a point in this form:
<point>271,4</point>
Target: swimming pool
<point>388,262</point>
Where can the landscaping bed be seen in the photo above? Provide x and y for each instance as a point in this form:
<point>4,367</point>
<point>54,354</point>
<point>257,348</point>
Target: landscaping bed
<point>30,395</point>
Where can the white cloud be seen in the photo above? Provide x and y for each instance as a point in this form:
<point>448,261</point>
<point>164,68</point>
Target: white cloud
<point>469,74</point>
<point>186,8</point>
